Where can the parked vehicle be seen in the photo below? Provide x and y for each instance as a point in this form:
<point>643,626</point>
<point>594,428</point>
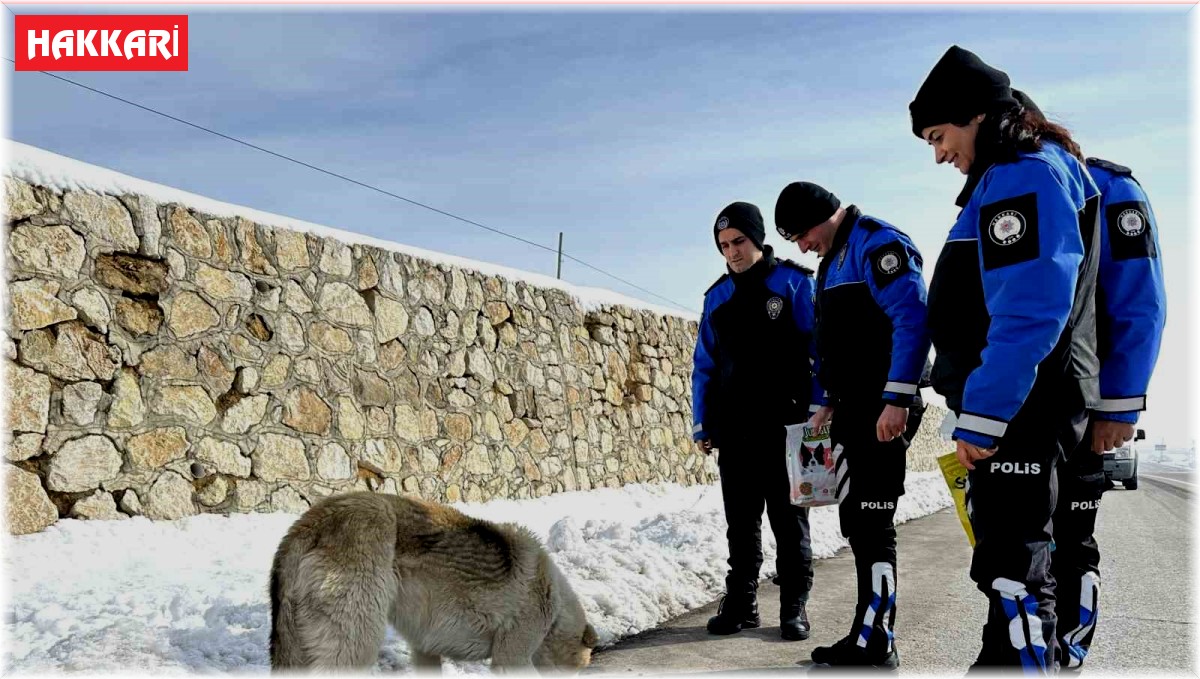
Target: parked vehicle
<point>1121,464</point>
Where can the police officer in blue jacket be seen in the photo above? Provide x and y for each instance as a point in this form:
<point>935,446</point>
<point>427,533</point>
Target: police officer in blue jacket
<point>1012,318</point>
<point>1131,306</point>
<point>751,377</point>
<point>873,349</point>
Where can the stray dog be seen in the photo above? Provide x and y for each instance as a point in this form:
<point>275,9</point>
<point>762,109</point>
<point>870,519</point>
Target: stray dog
<point>451,585</point>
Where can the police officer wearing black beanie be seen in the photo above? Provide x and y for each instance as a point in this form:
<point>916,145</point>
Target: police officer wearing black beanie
<point>1012,319</point>
<point>751,377</point>
<point>746,219</point>
<point>873,350</point>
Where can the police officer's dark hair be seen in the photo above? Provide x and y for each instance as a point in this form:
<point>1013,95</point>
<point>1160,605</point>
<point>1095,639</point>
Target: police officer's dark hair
<point>1011,130</point>
<point>1043,128</point>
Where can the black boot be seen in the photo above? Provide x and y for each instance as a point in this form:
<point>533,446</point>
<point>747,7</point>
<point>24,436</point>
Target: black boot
<point>847,653</point>
<point>793,617</point>
<point>734,614</point>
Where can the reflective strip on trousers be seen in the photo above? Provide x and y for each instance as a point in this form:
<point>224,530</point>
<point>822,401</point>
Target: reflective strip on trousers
<point>883,598</point>
<point>1024,626</point>
<point>1089,599</point>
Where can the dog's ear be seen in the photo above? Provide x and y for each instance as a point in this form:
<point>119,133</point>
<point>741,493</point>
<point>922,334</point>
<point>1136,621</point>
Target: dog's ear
<point>589,636</point>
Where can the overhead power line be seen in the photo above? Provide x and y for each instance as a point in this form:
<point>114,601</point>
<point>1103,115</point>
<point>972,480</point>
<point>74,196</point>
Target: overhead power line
<point>361,184</point>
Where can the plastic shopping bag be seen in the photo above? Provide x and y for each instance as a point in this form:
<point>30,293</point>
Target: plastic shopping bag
<point>811,465</point>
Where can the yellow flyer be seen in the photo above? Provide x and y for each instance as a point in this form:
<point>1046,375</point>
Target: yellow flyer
<point>956,479</point>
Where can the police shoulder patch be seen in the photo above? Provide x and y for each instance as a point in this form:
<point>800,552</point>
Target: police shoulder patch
<point>888,262</point>
<point>1130,235</point>
<point>1008,231</point>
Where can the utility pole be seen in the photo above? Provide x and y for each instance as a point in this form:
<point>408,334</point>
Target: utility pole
<point>558,271</point>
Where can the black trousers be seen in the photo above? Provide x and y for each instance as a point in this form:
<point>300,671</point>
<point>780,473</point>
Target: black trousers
<point>753,475</point>
<point>1075,561</point>
<point>870,477</point>
<point>1012,497</point>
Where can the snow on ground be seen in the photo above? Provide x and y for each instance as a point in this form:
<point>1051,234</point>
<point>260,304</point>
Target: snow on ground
<point>38,166</point>
<point>191,595</point>
<point>1181,460</point>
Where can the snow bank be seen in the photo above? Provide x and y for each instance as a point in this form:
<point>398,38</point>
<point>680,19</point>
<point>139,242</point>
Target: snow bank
<point>191,595</point>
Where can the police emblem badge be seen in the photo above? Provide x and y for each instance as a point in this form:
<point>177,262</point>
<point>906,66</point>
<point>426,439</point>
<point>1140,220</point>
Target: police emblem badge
<point>1131,222</point>
<point>1130,231</point>
<point>889,262</point>
<point>1007,227</point>
<point>774,306</point>
<point>1008,231</point>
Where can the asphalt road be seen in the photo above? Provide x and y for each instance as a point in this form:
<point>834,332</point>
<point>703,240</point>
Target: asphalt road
<point>1146,600</point>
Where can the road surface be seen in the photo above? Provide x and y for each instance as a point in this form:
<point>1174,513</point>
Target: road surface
<point>1146,600</point>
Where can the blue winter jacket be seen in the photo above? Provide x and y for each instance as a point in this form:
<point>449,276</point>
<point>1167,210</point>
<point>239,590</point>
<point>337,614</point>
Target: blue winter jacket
<point>1012,300</point>
<point>1131,301</point>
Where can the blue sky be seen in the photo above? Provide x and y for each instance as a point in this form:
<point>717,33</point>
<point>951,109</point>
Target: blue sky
<point>627,130</point>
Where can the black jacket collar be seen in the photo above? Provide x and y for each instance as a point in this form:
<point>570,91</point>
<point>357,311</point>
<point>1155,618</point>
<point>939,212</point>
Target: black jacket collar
<point>759,271</point>
<point>843,232</point>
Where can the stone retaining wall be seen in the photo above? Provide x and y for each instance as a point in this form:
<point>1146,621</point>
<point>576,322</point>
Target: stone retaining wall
<point>165,362</point>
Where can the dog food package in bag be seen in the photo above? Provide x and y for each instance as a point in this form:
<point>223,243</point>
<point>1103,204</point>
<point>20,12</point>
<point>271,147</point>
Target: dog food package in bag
<point>956,480</point>
<point>811,465</point>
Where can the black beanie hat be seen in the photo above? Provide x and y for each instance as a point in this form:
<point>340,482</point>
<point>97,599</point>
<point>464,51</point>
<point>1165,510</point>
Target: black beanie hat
<point>960,85</point>
<point>801,206</point>
<point>744,217</point>
<point>1027,103</point>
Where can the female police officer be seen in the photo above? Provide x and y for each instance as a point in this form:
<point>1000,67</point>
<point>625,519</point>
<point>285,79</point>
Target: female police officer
<point>1012,319</point>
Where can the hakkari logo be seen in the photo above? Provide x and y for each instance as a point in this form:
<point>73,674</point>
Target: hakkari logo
<point>102,42</point>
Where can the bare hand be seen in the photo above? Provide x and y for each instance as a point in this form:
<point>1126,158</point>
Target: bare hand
<point>892,422</point>
<point>821,417</point>
<point>704,446</point>
<point>1107,435</point>
<point>968,454</point>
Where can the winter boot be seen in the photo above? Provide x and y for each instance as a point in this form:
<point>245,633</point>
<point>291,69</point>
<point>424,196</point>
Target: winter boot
<point>734,614</point>
<point>793,617</point>
<point>847,653</point>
